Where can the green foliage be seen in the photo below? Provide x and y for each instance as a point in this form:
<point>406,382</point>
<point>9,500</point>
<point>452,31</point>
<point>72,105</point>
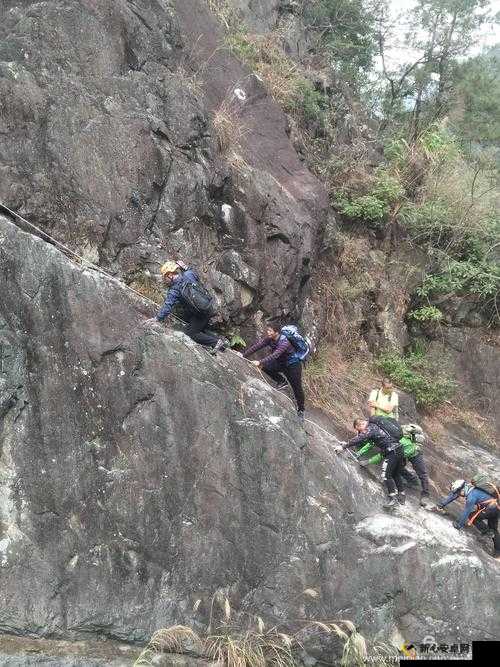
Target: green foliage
<point>475,101</point>
<point>368,208</point>
<point>426,314</point>
<point>418,375</point>
<point>373,207</point>
<point>346,32</point>
<point>236,341</point>
<point>463,277</point>
<point>437,143</point>
<point>243,47</point>
<point>419,89</point>
<point>388,187</point>
<point>429,221</point>
<point>307,102</point>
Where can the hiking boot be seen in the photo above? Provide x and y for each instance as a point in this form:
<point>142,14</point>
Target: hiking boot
<point>220,346</point>
<point>401,498</point>
<point>390,503</point>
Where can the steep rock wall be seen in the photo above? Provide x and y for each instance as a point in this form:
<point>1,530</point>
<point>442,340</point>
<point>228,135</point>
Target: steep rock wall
<point>106,114</point>
<point>139,474</point>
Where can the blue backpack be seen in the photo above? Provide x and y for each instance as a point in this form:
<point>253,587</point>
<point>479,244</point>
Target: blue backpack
<point>302,345</point>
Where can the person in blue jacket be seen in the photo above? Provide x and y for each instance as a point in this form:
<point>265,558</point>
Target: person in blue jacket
<point>175,276</point>
<point>481,507</point>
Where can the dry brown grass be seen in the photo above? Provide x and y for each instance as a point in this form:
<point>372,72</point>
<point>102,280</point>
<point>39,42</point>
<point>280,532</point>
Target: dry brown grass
<point>148,287</point>
<point>225,13</point>
<point>265,55</point>
<point>338,387</point>
<point>253,648</point>
<point>229,130</point>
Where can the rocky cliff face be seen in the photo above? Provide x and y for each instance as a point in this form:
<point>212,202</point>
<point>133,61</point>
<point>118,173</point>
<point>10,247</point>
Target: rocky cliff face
<point>109,142</point>
<point>139,475</point>
<point>141,481</point>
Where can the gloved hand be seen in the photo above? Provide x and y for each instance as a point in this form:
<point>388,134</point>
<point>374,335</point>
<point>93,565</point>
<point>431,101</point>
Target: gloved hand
<point>338,448</point>
<point>457,526</point>
<point>364,464</point>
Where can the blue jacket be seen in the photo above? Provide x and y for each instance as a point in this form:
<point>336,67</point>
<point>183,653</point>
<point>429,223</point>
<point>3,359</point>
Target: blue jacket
<point>173,294</point>
<point>473,498</point>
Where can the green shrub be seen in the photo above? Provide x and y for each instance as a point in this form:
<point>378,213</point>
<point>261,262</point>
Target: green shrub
<point>418,375</point>
<point>427,222</point>
<point>463,277</point>
<point>437,143</point>
<point>307,102</point>
<point>243,47</point>
<point>373,207</point>
<point>426,314</point>
<point>367,207</point>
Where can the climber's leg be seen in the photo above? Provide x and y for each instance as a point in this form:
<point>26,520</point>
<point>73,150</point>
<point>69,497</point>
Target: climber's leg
<point>387,468</point>
<point>195,329</point>
<point>409,477</point>
<point>293,374</point>
<point>491,514</point>
<point>418,465</point>
<point>275,372</point>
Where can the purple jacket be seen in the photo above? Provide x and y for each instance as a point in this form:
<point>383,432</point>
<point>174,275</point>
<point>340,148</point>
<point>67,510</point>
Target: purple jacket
<point>281,350</point>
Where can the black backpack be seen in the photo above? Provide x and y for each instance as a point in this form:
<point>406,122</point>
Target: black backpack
<point>389,425</point>
<point>197,297</point>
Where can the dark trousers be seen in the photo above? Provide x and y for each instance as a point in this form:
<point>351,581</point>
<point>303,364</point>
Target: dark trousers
<point>391,471</point>
<point>418,465</point>
<point>409,477</point>
<point>276,370</point>
<point>489,519</point>
<point>195,329</point>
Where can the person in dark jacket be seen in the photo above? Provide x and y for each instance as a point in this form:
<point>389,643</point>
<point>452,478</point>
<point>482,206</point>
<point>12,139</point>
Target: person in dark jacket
<point>175,276</point>
<point>412,454</point>
<point>481,508</point>
<point>281,364</point>
<point>390,448</point>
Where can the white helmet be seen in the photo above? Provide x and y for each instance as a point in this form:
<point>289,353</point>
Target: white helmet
<point>457,485</point>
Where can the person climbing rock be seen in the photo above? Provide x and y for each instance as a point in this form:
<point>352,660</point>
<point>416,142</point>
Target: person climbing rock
<point>185,289</point>
<point>482,507</point>
<point>412,454</point>
<point>384,401</point>
<point>283,363</point>
<point>385,434</point>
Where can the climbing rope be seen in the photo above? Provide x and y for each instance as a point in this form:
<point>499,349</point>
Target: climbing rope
<point>88,264</point>
<point>309,421</point>
<point>83,261</point>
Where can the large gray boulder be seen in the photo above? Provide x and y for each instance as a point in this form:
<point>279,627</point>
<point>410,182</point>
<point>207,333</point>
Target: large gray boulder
<point>139,475</point>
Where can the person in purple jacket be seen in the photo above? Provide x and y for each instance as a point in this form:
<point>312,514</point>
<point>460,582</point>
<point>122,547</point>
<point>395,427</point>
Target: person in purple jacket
<point>281,364</point>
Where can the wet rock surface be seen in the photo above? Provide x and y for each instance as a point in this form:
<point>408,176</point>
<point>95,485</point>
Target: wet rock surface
<point>139,475</point>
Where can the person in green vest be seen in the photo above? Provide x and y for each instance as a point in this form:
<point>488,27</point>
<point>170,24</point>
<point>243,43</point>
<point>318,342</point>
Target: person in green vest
<point>412,453</point>
<point>384,402</point>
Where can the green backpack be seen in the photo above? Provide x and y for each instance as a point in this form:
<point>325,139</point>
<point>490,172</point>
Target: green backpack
<point>414,434</point>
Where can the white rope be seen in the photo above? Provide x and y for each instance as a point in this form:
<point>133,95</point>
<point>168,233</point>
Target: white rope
<point>86,263</point>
